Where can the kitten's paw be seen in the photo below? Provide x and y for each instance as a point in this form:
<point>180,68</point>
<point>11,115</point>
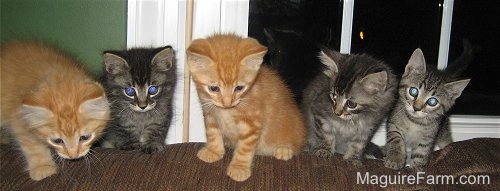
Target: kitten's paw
<point>355,162</point>
<point>323,153</point>
<point>239,173</point>
<point>41,172</point>
<point>283,153</point>
<point>419,167</point>
<point>133,146</point>
<point>394,162</point>
<point>153,148</point>
<point>209,156</point>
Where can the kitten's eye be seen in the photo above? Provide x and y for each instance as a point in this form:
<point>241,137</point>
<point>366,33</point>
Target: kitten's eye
<point>351,104</point>
<point>58,141</point>
<point>214,88</point>
<point>153,90</point>
<point>85,138</point>
<point>239,88</point>
<point>130,91</point>
<point>432,101</point>
<point>413,91</point>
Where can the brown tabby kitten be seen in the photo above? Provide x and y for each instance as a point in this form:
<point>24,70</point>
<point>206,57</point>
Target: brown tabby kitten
<point>246,105</point>
<point>49,102</point>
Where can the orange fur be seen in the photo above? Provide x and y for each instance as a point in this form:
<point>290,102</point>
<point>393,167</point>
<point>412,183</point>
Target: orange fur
<point>46,95</point>
<point>262,118</point>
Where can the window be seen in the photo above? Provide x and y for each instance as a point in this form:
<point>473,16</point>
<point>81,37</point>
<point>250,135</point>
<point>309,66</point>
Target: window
<point>390,30</point>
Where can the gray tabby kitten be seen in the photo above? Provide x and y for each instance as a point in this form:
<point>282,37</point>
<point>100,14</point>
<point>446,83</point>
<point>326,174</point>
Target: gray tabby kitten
<point>345,104</point>
<point>425,95</point>
<point>139,84</point>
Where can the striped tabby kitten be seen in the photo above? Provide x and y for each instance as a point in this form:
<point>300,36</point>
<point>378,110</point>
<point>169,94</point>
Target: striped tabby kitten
<point>425,95</point>
<point>345,105</point>
<point>245,105</point>
<point>50,105</point>
<point>140,85</point>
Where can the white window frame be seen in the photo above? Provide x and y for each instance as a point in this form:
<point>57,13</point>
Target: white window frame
<point>159,23</point>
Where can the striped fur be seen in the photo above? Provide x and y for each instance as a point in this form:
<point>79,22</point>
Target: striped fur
<point>49,103</point>
<point>370,87</point>
<point>415,125</point>
<point>246,106</point>
<point>140,122</point>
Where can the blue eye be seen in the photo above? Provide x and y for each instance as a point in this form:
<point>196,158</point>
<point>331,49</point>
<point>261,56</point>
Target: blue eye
<point>130,91</point>
<point>153,90</point>
<point>413,91</point>
<point>432,101</point>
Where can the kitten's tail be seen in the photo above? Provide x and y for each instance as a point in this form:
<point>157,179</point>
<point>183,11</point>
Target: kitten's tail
<point>455,68</point>
<point>373,151</point>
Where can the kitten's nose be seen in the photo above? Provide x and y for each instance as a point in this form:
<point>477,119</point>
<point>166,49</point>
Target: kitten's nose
<point>337,112</point>
<point>415,108</point>
<point>143,107</point>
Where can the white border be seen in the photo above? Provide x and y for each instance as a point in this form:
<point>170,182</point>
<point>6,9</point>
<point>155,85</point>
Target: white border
<point>346,33</point>
<point>444,39</point>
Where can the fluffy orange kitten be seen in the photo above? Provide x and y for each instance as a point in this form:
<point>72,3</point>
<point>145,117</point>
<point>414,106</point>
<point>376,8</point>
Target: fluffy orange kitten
<point>245,105</point>
<point>49,102</point>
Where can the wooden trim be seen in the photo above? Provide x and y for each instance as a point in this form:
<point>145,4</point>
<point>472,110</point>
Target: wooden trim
<point>187,76</point>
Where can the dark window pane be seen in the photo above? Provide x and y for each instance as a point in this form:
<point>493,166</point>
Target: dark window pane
<point>392,29</point>
<point>319,21</point>
<point>479,22</point>
<point>293,29</point>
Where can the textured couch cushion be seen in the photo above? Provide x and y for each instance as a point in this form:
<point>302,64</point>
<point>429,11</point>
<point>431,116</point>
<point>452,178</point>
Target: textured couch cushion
<point>178,168</point>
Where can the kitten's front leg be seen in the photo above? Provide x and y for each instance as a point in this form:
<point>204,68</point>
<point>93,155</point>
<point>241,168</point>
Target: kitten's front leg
<point>240,167</point>
<point>420,154</point>
<point>214,148</point>
<point>154,138</point>
<point>39,158</point>
<point>395,149</point>
<point>322,139</point>
<point>354,152</point>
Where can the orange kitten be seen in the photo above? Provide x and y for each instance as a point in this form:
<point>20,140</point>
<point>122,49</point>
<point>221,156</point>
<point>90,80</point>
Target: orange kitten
<point>246,105</point>
<point>49,102</point>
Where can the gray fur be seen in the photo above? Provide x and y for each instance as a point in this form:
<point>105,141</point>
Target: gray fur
<point>414,125</point>
<point>141,121</point>
<point>333,127</point>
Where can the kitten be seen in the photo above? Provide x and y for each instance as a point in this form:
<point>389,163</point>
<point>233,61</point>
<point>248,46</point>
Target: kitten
<point>245,105</point>
<point>49,103</point>
<point>345,105</point>
<point>140,85</point>
<point>425,95</point>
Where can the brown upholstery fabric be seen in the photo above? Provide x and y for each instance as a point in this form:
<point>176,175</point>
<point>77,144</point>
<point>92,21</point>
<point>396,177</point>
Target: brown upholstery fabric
<point>178,168</point>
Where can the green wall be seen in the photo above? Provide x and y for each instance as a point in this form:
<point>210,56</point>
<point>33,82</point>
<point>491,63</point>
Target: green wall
<point>84,28</point>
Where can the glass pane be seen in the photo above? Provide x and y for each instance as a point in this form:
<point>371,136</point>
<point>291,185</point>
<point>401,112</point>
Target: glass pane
<point>318,21</point>
<point>392,29</point>
<point>291,30</point>
<point>479,22</point>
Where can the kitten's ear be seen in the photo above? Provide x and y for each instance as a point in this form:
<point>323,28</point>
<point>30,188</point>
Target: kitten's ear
<point>96,108</point>
<point>164,59</point>
<point>35,116</point>
<point>197,52</point>
<point>253,61</point>
<point>115,64</point>
<point>455,88</point>
<point>197,62</point>
<point>374,83</point>
<point>416,64</point>
<point>329,63</point>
